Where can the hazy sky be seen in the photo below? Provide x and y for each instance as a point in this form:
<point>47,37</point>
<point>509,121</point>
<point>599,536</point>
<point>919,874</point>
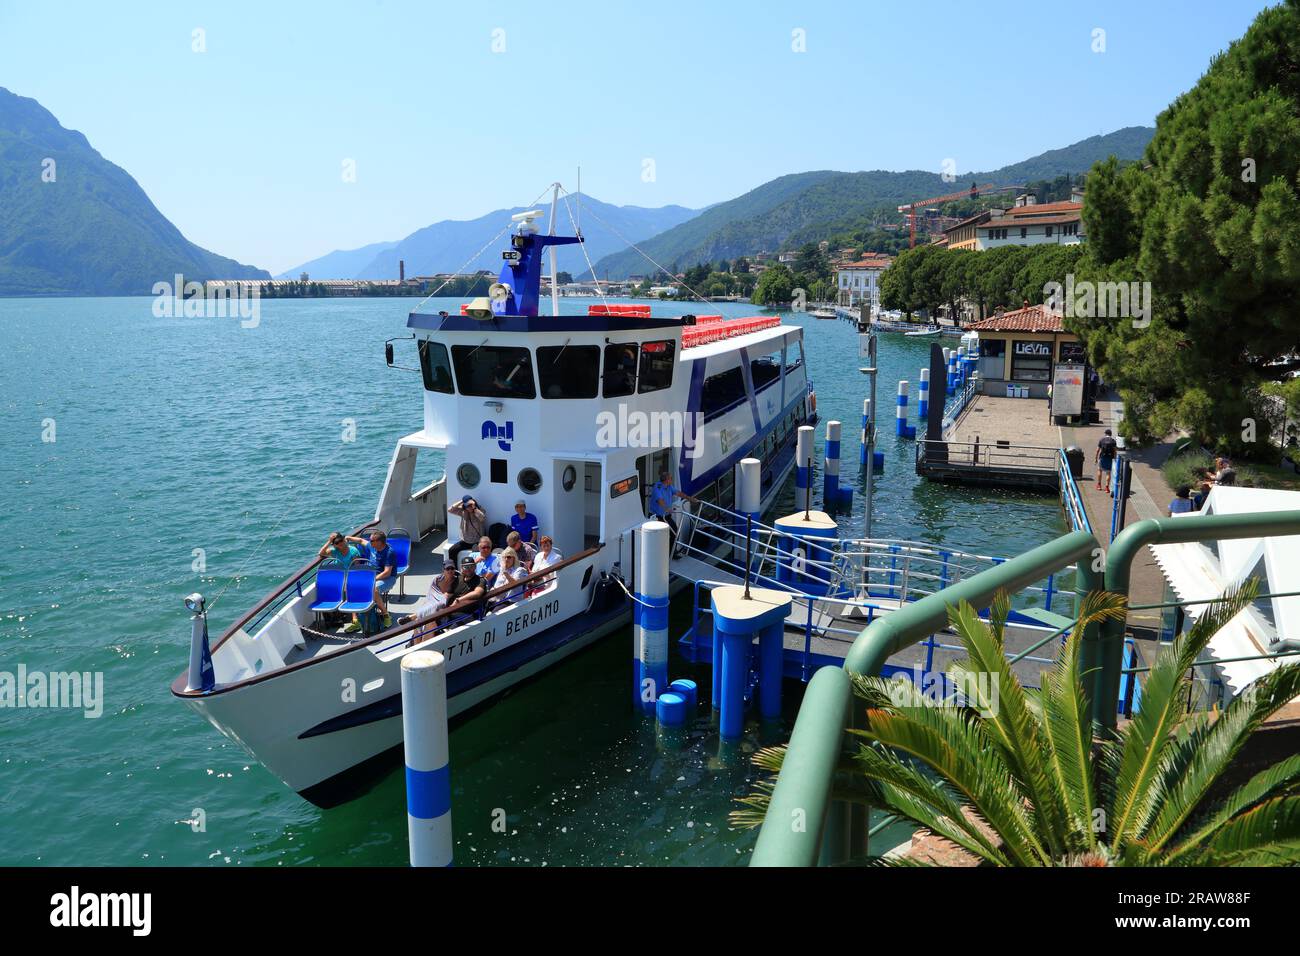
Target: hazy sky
<point>451,110</point>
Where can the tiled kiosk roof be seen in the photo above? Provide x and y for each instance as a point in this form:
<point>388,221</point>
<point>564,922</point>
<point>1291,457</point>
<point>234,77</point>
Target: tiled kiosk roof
<point>1032,318</point>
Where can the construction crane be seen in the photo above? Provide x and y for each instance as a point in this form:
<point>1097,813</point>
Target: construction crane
<point>972,193</point>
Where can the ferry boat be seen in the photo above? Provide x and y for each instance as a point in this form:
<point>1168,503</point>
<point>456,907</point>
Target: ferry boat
<point>559,411</point>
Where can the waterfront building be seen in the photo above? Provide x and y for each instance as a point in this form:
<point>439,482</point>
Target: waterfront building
<point>962,235</point>
<point>860,282</point>
<point>1032,223</point>
<point>1022,348</point>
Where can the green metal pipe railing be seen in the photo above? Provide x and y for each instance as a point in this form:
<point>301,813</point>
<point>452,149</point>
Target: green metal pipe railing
<point>799,813</point>
<point>1128,544</point>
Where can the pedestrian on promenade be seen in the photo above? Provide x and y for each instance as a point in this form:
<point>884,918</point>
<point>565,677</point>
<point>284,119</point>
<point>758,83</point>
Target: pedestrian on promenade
<point>1105,458</point>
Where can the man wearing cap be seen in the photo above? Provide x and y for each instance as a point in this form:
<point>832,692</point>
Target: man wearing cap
<point>469,588</point>
<point>473,525</point>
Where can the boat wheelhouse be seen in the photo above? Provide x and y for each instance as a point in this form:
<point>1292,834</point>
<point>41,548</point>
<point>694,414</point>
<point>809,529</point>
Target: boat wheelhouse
<point>576,416</point>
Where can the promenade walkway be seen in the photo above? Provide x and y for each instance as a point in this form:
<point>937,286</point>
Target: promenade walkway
<point>1149,499</point>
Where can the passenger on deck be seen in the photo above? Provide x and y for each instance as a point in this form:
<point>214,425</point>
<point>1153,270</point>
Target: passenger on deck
<point>337,553</point>
<point>382,559</point>
<point>487,564</point>
<point>469,589</point>
<point>510,571</point>
<point>524,524</point>
<point>1182,503</point>
<point>525,551</point>
<point>437,597</point>
<point>546,556</point>
<point>473,525</point>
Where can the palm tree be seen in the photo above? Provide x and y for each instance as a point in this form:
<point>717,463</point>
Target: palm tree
<point>1016,779</point>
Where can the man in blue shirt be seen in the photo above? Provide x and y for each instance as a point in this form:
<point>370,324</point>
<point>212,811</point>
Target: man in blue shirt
<point>524,523</point>
<point>380,557</point>
<point>488,564</point>
<point>661,501</point>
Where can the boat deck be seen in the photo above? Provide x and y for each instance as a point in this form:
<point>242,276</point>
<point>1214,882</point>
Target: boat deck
<point>323,632</point>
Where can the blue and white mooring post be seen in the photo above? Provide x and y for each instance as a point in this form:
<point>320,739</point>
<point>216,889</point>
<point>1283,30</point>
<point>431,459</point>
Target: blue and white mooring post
<point>866,436</point>
<point>428,774</point>
<point>650,617</point>
<point>833,495</point>
<point>923,398</point>
<point>749,496</point>
<point>739,615</point>
<point>803,456</point>
<point>904,430</point>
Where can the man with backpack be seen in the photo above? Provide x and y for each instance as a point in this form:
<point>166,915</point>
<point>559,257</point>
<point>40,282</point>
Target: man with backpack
<point>1105,457</point>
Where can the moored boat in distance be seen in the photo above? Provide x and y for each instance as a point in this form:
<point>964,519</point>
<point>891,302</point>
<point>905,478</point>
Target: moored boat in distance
<point>576,415</point>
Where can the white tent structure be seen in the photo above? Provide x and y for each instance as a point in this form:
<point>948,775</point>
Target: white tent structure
<point>1204,570</point>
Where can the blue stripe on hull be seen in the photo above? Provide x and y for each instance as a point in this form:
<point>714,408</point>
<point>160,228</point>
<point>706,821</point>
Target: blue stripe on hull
<point>472,675</point>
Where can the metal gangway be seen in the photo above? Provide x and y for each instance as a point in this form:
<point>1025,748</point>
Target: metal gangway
<point>862,579</point>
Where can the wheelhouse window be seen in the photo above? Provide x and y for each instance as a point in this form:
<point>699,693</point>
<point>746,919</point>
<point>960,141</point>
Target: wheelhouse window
<point>494,371</point>
<point>569,371</point>
<point>793,356</point>
<point>620,369</point>
<point>765,369</point>
<point>657,360</point>
<point>722,392</point>
<point>435,366</point>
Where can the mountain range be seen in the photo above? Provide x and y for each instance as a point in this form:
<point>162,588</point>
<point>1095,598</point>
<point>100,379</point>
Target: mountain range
<point>76,224</point>
<point>809,207</point>
<point>73,223</point>
<point>450,245</point>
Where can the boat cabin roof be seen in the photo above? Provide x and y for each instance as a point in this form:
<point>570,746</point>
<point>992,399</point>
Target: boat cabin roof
<point>446,322</point>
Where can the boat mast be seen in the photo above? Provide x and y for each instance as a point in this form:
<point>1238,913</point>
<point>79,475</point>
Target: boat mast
<point>555,285</point>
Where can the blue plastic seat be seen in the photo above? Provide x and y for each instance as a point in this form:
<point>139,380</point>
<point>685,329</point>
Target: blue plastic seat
<point>359,591</point>
<point>329,589</point>
<point>400,542</point>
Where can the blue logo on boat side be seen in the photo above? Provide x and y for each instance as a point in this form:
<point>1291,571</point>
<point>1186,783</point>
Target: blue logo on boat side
<point>504,434</point>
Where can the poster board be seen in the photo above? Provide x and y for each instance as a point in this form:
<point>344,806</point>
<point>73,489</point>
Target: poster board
<point>1067,390</point>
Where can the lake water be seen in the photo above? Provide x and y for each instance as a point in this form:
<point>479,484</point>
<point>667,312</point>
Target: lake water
<point>178,440</point>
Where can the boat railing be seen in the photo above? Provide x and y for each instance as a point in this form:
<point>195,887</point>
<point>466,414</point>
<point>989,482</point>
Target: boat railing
<point>985,456</point>
<point>398,630</point>
<point>1071,500</point>
<point>813,627</point>
<point>856,568</point>
<point>288,590</point>
<point>954,411</point>
<point>450,618</point>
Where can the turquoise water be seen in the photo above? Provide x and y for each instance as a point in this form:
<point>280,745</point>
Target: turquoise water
<point>173,434</point>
